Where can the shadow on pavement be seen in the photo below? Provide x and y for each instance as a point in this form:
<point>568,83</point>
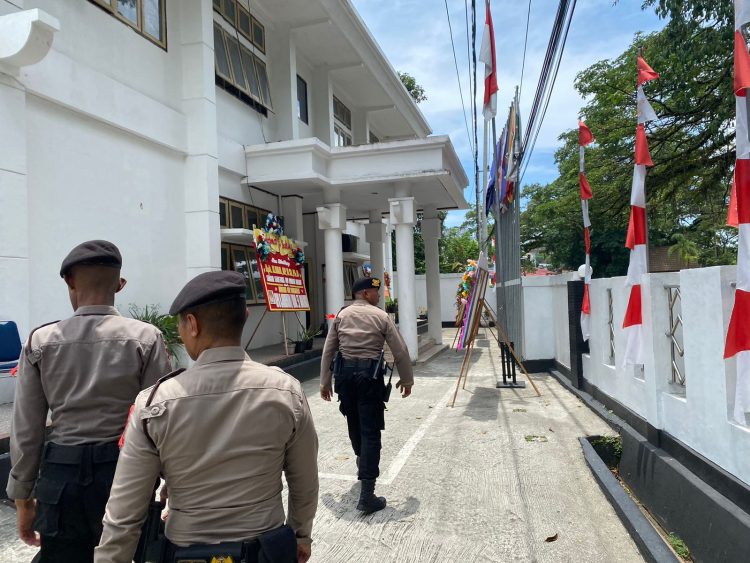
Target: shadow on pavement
<point>483,404</point>
<point>345,507</point>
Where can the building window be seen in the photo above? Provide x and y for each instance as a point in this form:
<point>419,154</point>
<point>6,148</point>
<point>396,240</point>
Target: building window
<point>239,71</point>
<point>237,215</point>
<point>223,213</point>
<point>302,100</point>
<point>147,17</point>
<point>342,137</point>
<point>342,124</point>
<point>259,35</point>
<point>243,259</point>
<point>350,276</point>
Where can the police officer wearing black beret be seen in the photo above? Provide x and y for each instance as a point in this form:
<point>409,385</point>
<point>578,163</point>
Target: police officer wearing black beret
<point>221,433</point>
<point>353,354</point>
<point>84,372</point>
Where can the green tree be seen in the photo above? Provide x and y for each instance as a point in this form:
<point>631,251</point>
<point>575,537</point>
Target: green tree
<point>692,146</point>
<point>416,91</point>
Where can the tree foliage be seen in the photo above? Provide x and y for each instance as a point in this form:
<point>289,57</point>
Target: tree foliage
<point>416,91</point>
<point>692,146</point>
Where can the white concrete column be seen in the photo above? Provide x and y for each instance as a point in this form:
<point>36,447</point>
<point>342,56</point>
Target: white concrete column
<point>322,105</point>
<point>403,216</point>
<point>332,220</point>
<point>25,40</point>
<point>360,131</point>
<point>291,209</point>
<point>431,231</point>
<point>283,53</point>
<point>375,231</point>
<point>201,175</point>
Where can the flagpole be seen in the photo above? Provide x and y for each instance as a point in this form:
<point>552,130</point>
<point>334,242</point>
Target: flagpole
<point>481,211</point>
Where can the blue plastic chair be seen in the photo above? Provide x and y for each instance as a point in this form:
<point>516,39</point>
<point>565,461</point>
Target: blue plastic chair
<point>10,346</point>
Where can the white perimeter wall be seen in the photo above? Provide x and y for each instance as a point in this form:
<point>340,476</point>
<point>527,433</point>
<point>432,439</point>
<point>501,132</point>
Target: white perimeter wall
<point>698,414</point>
<point>448,288</point>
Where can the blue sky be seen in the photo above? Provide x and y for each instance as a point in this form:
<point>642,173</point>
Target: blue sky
<point>414,35</point>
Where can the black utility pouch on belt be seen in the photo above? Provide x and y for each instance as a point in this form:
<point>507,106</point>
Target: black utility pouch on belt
<point>383,369</point>
<point>278,546</point>
<point>152,544</point>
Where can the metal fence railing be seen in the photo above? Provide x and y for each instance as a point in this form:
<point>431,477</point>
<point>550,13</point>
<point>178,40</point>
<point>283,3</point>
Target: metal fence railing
<point>677,347</point>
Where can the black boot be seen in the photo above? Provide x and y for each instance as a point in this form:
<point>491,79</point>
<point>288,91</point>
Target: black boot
<point>368,502</point>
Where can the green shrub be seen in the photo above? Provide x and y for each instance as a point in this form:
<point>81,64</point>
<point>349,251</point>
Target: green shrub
<point>167,324</point>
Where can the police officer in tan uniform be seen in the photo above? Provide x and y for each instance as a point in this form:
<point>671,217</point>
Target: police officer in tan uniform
<point>85,372</point>
<point>353,351</point>
<point>221,433</point>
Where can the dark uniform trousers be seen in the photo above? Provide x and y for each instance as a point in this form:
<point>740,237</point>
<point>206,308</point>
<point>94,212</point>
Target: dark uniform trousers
<point>72,492</point>
<point>361,402</point>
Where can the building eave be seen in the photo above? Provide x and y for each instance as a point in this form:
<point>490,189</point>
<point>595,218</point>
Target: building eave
<point>345,16</point>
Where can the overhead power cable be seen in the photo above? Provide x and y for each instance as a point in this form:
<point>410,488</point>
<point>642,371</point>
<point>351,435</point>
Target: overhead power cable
<point>458,76</point>
<point>547,78</point>
<point>525,43</point>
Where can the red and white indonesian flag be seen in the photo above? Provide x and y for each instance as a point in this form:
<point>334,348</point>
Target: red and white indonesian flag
<point>584,138</point>
<point>636,238</point>
<point>487,56</point>
<point>738,335</point>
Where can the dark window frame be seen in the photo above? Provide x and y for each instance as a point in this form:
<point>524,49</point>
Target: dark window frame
<point>303,113</point>
<point>243,87</point>
<point>110,6</point>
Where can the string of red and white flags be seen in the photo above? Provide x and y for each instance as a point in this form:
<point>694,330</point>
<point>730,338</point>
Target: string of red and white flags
<point>738,335</point>
<point>585,137</point>
<point>636,237</point>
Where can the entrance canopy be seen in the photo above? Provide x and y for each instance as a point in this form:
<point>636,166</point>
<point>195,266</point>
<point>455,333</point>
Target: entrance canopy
<point>362,177</point>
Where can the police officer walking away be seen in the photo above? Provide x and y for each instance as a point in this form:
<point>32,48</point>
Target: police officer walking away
<point>85,371</point>
<point>221,433</point>
<point>354,353</point>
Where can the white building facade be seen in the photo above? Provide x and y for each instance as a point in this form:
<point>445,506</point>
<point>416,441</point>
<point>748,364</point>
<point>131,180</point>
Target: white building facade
<point>172,127</point>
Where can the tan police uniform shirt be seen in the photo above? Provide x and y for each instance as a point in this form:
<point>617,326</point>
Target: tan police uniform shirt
<point>224,430</point>
<point>86,371</point>
<point>359,331</point>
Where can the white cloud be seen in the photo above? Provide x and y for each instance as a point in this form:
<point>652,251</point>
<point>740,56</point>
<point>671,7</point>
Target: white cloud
<point>414,35</point>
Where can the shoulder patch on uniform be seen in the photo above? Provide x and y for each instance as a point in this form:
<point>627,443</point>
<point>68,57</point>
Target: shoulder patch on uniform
<point>36,354</point>
<point>152,411</point>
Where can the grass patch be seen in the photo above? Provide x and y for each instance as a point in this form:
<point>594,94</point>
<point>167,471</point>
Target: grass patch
<point>679,547</point>
<point>609,448</point>
<point>519,410</point>
<point>535,438</point>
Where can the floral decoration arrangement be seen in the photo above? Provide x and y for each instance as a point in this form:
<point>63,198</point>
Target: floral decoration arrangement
<point>261,246</point>
<point>274,225</point>
<point>299,257</point>
<point>467,283</point>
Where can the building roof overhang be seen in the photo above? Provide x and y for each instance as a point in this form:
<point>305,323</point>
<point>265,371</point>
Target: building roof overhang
<point>330,34</point>
<point>362,177</point>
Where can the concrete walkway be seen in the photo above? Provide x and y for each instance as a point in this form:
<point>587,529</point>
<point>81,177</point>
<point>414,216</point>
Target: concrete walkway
<point>488,480</point>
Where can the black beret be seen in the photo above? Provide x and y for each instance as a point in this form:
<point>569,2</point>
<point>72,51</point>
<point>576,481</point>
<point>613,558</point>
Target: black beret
<point>209,287</point>
<point>92,252</point>
<point>365,283</point>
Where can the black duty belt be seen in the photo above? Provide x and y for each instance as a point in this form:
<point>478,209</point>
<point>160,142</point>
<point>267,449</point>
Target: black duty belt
<point>237,552</point>
<point>73,455</point>
<point>360,363</point>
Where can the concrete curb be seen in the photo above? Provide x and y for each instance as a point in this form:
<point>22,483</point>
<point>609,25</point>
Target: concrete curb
<point>649,542</point>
